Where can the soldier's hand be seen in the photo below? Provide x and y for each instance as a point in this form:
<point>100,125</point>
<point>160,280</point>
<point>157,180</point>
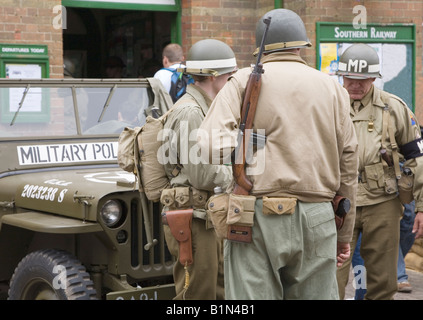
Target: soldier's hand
<point>418,225</point>
<point>343,252</point>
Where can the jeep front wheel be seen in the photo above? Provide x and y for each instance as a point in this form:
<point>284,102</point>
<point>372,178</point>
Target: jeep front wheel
<point>51,275</point>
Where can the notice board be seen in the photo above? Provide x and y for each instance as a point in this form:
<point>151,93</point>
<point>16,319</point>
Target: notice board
<point>394,43</point>
<point>24,61</point>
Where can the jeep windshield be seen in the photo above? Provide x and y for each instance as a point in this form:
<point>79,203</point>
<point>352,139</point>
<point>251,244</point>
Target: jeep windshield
<point>72,107</point>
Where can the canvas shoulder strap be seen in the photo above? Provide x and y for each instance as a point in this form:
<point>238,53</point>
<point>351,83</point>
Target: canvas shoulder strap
<point>388,131</point>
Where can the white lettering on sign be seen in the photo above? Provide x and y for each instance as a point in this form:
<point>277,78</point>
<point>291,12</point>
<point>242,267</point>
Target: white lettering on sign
<point>15,50</point>
<point>37,50</point>
<point>364,34</point>
<point>350,34</point>
<point>67,153</point>
<point>23,50</point>
<point>382,34</point>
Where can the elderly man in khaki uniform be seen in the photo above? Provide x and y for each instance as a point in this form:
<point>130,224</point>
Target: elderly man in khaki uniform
<point>388,133</point>
<point>309,156</point>
<point>192,181</point>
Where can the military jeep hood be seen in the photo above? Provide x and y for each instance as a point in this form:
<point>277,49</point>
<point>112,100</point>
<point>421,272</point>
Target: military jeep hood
<point>73,192</point>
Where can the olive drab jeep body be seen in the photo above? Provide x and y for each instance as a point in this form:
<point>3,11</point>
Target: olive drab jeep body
<point>73,225</point>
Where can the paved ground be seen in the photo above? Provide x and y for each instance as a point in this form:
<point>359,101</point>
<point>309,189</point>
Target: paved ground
<point>415,278</point>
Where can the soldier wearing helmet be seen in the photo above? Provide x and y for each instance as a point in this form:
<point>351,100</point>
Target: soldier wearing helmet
<point>388,134</point>
<point>309,156</point>
<point>192,181</point>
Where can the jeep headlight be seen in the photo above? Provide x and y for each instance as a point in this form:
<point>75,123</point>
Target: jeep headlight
<point>111,213</point>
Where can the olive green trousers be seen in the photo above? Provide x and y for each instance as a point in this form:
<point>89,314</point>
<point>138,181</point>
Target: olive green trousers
<point>380,227</point>
<point>291,256</point>
<point>206,272</point>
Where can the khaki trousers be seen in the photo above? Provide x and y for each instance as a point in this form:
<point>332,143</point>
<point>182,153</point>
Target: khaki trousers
<point>380,226</point>
<point>206,272</point>
<point>290,257</point>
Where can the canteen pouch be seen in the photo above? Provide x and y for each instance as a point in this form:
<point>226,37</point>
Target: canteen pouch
<point>180,222</point>
<point>405,188</point>
<point>279,205</point>
<point>240,217</point>
<point>217,210</point>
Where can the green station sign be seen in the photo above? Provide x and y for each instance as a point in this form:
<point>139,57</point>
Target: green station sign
<point>369,33</point>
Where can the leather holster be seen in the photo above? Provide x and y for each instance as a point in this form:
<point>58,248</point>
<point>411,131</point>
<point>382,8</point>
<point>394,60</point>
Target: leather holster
<point>179,222</point>
<point>341,206</point>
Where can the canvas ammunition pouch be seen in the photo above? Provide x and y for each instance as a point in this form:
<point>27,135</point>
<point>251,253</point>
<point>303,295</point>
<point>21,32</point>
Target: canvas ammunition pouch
<point>279,205</point>
<point>180,222</point>
<point>378,176</point>
<point>232,216</point>
<point>240,218</point>
<point>184,198</point>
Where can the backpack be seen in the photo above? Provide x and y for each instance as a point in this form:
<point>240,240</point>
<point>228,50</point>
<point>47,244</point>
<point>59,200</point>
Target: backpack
<point>178,83</point>
<point>137,153</point>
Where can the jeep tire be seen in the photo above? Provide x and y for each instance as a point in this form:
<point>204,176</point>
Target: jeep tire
<point>51,275</point>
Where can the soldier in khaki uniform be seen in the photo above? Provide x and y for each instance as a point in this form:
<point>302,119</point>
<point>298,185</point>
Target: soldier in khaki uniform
<point>309,155</point>
<point>388,133</point>
<point>210,62</point>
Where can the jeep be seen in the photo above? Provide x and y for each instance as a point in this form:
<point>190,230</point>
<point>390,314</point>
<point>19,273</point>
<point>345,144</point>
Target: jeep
<point>73,224</point>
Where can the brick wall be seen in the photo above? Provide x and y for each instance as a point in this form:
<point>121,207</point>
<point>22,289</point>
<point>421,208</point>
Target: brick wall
<point>231,21</point>
<point>31,22</point>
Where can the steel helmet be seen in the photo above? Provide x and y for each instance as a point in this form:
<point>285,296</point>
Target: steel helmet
<point>286,31</point>
<point>360,61</point>
<point>210,57</point>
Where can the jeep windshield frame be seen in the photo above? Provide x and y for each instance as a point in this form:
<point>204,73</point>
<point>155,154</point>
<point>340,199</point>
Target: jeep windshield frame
<point>63,108</point>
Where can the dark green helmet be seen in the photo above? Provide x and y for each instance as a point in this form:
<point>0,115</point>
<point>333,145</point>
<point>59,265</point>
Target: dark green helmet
<point>360,61</point>
<point>210,57</point>
<point>286,31</point>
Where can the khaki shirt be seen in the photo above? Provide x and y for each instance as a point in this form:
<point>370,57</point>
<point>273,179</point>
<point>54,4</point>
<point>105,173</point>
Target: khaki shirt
<point>311,147</point>
<point>406,129</point>
<point>183,122</point>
